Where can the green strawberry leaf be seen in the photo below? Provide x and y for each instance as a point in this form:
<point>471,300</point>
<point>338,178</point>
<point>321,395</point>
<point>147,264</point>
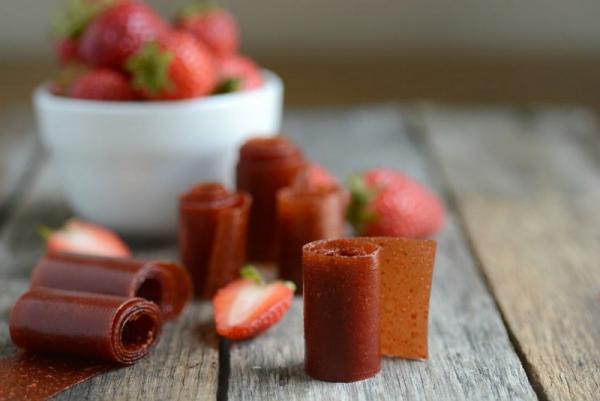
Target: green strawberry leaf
<point>228,86</point>
<point>150,69</point>
<point>196,8</point>
<point>249,272</point>
<point>71,23</point>
<point>358,214</point>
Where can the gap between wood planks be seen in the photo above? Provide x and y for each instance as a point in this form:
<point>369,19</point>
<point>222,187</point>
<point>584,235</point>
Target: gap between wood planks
<point>224,369</point>
<point>418,132</point>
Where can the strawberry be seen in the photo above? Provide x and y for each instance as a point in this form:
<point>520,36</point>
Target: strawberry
<point>388,203</point>
<point>248,306</point>
<point>214,27</point>
<point>70,25</point>
<point>175,66</point>
<point>78,236</point>
<point>314,178</point>
<point>118,32</point>
<point>102,84</point>
<point>319,177</point>
<point>62,83</point>
<point>67,51</point>
<point>237,73</point>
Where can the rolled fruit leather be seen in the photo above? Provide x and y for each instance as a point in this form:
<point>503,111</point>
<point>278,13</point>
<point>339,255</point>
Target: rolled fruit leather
<point>405,268</point>
<point>305,215</point>
<point>103,327</point>
<point>341,309</point>
<point>213,227</point>
<point>166,284</point>
<point>265,166</point>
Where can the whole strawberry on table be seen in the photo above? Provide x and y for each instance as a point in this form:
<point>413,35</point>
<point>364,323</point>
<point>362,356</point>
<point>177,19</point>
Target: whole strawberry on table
<point>123,50</point>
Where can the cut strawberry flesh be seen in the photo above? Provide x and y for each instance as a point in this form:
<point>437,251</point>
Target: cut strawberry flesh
<point>244,308</point>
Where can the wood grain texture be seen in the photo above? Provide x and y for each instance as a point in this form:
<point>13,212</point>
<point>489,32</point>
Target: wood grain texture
<point>528,189</point>
<point>184,364</point>
<point>471,357</point>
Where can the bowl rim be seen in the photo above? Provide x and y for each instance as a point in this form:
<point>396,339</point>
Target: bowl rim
<point>43,98</point>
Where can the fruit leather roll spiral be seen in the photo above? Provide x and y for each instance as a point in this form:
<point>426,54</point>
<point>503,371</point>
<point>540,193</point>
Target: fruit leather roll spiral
<point>265,166</point>
<point>166,284</point>
<point>341,309</point>
<point>213,225</point>
<point>305,215</point>
<point>104,327</point>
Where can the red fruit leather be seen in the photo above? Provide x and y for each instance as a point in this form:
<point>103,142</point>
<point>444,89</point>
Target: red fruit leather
<point>406,267</point>
<point>304,216</point>
<point>265,166</point>
<point>101,327</point>
<point>213,225</point>
<point>166,284</point>
<point>341,309</point>
<point>35,377</point>
<point>364,297</point>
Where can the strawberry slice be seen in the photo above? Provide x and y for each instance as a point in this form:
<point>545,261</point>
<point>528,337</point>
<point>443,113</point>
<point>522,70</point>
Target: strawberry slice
<point>78,236</point>
<point>248,306</point>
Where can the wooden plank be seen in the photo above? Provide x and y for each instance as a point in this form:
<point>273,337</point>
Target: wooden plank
<point>183,366</point>
<point>471,357</point>
<point>528,190</point>
<point>17,150</point>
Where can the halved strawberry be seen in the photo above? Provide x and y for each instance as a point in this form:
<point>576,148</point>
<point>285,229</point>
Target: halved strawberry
<point>78,236</point>
<point>248,306</point>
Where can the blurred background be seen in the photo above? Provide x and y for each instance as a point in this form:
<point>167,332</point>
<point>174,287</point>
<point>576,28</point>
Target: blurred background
<point>358,51</point>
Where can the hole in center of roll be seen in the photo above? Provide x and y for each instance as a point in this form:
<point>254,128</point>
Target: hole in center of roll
<point>345,251</point>
<point>151,290</point>
<point>138,332</point>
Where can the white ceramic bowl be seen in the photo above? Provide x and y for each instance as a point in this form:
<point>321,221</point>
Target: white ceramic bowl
<point>123,164</point>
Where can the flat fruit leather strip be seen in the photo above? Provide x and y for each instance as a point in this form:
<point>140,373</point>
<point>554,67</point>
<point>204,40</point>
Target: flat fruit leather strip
<point>213,225</point>
<point>164,283</point>
<point>26,376</point>
<point>304,216</point>
<point>341,309</point>
<point>406,267</point>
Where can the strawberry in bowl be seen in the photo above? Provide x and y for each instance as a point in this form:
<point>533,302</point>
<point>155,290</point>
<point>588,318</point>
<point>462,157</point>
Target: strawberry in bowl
<point>142,109</point>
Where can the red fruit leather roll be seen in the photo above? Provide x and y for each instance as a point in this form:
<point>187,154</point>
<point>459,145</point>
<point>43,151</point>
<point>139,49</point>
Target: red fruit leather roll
<point>341,309</point>
<point>102,327</point>
<point>265,166</point>
<point>213,225</point>
<point>304,216</point>
<point>164,283</point>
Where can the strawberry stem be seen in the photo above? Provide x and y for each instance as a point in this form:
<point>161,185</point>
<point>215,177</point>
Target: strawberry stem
<point>196,8</point>
<point>45,232</point>
<point>249,272</point>
<point>228,86</point>
<point>76,17</point>
<point>358,214</point>
<point>290,285</point>
<point>149,68</point>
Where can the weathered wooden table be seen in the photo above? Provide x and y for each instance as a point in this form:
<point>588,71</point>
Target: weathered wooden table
<point>515,308</point>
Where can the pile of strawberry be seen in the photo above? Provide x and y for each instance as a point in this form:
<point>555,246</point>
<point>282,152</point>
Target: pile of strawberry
<point>124,50</point>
